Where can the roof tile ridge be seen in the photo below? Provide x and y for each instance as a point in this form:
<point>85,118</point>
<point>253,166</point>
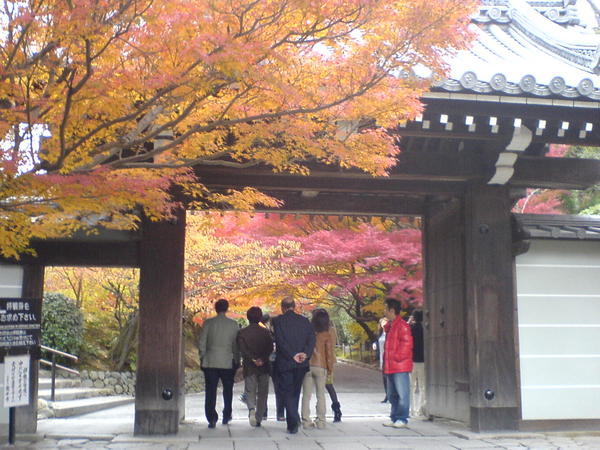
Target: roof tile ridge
<point>580,49</point>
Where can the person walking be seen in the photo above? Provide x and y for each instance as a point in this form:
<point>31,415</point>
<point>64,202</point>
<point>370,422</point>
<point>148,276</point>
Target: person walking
<point>397,364</point>
<point>329,387</point>
<point>335,403</point>
<point>417,377</point>
<point>255,344</point>
<point>279,406</point>
<point>321,366</point>
<point>219,360</point>
<point>294,343</point>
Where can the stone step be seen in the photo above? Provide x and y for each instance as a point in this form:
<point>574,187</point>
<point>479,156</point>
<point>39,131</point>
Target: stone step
<point>73,393</point>
<point>70,408</point>
<point>46,383</point>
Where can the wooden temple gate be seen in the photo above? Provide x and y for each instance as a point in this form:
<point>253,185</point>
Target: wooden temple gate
<point>476,148</point>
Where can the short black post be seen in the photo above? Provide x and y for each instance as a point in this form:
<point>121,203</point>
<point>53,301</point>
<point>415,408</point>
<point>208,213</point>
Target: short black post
<point>53,388</point>
<point>11,425</point>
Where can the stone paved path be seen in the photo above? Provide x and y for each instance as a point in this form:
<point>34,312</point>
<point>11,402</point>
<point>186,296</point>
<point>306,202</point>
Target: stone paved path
<point>360,393</point>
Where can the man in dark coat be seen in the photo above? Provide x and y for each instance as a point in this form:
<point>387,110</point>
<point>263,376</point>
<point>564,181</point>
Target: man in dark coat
<point>295,342</point>
<point>256,345</point>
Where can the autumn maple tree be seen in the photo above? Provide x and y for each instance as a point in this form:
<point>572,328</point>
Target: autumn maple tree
<point>552,201</point>
<point>104,105</point>
<point>344,262</point>
<point>358,267</point>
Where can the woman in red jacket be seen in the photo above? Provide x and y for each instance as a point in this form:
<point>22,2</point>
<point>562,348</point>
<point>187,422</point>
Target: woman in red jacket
<point>397,364</point>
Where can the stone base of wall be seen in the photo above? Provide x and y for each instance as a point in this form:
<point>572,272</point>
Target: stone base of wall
<point>123,383</point>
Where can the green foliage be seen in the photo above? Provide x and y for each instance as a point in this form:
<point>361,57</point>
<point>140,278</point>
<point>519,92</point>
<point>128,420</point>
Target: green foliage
<point>62,323</point>
<point>348,331</point>
<point>100,332</point>
<point>586,202</point>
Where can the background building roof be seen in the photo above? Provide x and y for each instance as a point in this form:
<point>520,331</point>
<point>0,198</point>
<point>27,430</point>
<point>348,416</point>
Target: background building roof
<point>560,227</point>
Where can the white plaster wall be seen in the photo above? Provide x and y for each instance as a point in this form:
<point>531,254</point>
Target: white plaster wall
<point>558,298</point>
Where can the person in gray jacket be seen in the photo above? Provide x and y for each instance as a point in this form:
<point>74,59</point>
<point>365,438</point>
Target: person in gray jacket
<point>219,359</point>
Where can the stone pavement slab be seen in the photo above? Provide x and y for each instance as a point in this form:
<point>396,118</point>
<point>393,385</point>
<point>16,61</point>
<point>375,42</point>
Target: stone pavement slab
<point>360,393</point>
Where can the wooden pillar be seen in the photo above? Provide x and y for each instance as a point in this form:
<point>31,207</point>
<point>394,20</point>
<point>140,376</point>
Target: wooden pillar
<point>26,416</point>
<point>158,402</point>
<point>491,309</point>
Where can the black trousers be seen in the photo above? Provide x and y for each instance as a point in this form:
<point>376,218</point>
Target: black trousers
<point>278,398</point>
<point>290,386</point>
<point>211,381</point>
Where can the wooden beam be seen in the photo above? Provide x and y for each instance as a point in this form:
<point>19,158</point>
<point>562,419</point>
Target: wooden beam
<point>158,400</point>
<point>347,204</point>
<point>332,181</point>
<point>418,173</point>
<point>510,110</point>
<point>555,173</point>
<point>577,132</point>
<point>74,253</point>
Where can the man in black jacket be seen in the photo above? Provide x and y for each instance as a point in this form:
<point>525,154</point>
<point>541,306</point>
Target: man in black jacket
<point>256,345</point>
<point>295,342</point>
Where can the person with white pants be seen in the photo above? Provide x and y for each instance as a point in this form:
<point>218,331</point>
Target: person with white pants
<point>321,365</point>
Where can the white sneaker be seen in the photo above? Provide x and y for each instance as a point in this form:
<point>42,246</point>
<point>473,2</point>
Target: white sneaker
<point>388,424</point>
<point>400,424</point>
<point>308,424</point>
<point>252,417</point>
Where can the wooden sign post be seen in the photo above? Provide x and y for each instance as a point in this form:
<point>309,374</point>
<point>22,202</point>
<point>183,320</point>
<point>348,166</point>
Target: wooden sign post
<point>16,387</point>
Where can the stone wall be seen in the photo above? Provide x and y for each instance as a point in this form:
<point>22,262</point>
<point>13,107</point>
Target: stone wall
<point>123,383</point>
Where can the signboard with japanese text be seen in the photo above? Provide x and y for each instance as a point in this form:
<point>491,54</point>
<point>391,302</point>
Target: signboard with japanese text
<point>16,380</point>
<point>20,323</point>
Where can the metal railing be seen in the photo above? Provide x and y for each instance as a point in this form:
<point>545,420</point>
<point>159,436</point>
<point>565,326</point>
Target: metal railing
<point>54,365</point>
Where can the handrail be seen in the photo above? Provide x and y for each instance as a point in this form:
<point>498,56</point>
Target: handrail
<point>55,366</point>
<point>58,352</point>
<point>58,366</point>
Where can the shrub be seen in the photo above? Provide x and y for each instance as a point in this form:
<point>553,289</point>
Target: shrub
<point>62,323</point>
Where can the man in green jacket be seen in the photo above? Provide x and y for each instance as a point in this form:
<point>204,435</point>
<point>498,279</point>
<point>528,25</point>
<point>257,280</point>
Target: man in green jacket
<point>219,358</point>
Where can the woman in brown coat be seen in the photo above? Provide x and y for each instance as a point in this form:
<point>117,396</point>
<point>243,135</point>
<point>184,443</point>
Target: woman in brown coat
<point>321,366</point>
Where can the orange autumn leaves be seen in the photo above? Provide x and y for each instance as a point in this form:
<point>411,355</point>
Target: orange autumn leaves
<point>130,94</point>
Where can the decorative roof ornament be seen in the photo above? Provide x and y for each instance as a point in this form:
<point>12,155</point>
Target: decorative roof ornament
<point>559,11</point>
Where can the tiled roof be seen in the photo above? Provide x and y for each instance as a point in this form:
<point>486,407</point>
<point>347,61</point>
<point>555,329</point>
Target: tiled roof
<point>560,227</point>
<point>531,48</point>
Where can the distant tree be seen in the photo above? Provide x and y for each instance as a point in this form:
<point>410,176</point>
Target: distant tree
<point>358,268</point>
<point>343,262</point>
<point>585,202</point>
<point>247,273</point>
<point>108,300</point>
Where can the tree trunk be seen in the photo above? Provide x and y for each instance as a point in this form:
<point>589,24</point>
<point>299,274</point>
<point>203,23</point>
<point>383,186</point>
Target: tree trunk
<point>370,334</point>
<point>125,341</point>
